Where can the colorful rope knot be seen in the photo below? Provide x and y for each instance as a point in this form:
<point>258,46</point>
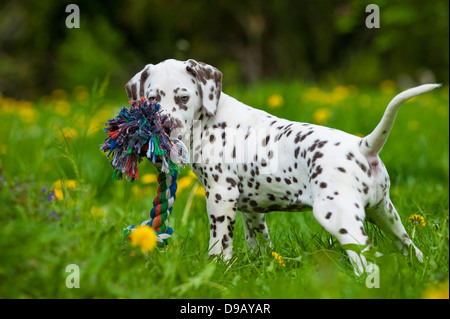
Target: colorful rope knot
<point>142,131</point>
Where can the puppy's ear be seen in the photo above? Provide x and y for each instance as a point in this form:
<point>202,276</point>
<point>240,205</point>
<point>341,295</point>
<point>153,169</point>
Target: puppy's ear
<point>209,81</point>
<point>136,86</point>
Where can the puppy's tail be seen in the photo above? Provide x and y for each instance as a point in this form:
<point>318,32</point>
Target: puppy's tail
<point>371,144</point>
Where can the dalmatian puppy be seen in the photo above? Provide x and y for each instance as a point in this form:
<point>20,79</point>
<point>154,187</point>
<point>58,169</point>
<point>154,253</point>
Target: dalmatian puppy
<point>254,162</point>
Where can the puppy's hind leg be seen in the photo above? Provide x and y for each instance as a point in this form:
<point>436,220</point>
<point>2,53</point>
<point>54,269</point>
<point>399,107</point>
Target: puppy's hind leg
<point>344,220</point>
<point>387,218</point>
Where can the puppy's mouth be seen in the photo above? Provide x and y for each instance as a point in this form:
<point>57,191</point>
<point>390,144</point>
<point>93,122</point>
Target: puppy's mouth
<point>178,129</point>
<point>167,127</point>
<point>171,127</point>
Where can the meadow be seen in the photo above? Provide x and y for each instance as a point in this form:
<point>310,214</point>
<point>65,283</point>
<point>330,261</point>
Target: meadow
<point>60,205</point>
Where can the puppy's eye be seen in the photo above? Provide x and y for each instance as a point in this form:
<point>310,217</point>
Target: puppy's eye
<point>152,98</point>
<point>184,98</point>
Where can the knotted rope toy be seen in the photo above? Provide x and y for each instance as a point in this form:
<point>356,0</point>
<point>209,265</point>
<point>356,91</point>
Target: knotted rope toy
<point>142,131</point>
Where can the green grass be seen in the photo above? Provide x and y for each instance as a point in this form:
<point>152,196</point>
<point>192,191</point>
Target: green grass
<point>57,138</point>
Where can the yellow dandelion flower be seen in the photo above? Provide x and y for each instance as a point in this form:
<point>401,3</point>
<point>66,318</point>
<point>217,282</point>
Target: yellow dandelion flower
<point>340,93</point>
<point>184,183</point>
<point>275,100</point>
<point>144,237</point>
<point>27,113</point>
<point>200,191</point>
<point>59,193</point>
<point>69,133</point>
<point>58,187</point>
<point>322,115</point>
<point>62,107</point>
<point>149,178</point>
<point>437,292</point>
<point>279,258</point>
<point>191,173</point>
<point>417,220</point>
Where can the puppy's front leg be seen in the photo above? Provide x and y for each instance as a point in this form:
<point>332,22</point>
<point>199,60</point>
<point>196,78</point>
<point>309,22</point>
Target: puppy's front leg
<point>221,206</point>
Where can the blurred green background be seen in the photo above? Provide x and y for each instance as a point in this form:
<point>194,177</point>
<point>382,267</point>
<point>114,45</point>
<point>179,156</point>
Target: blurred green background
<point>322,41</point>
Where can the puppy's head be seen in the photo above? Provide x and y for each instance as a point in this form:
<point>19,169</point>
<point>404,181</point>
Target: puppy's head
<point>181,88</point>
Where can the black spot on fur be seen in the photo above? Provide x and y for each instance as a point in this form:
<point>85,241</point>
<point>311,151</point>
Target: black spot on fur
<point>220,219</point>
<point>231,181</point>
<point>297,150</point>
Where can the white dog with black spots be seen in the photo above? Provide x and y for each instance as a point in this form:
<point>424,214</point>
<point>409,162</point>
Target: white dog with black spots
<point>254,162</point>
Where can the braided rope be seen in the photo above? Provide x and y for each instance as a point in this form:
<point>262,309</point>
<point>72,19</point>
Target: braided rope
<point>162,208</point>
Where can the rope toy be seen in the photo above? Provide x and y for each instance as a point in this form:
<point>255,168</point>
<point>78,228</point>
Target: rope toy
<point>142,131</point>
<point>162,208</point>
